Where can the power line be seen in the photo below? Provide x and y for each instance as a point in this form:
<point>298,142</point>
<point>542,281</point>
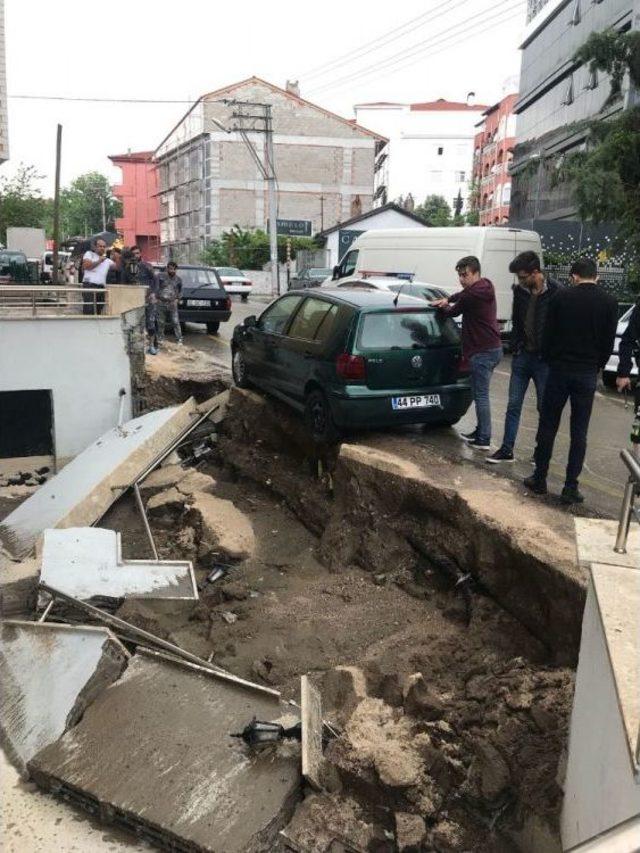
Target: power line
<point>418,48</point>
<point>98,100</point>
<point>377,43</point>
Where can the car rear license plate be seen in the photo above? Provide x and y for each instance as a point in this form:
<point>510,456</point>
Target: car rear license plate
<point>418,401</point>
<point>198,303</point>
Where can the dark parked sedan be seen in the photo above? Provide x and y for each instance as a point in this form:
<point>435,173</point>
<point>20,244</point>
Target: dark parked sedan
<point>203,298</point>
<point>354,359</point>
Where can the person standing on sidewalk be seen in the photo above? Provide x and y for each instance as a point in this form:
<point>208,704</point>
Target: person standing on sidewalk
<point>577,342</point>
<point>168,294</point>
<point>628,349</point>
<point>96,266</point>
<point>481,345</point>
<point>531,297</point>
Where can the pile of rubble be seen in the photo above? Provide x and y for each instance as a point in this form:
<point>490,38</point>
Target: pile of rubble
<point>133,665</point>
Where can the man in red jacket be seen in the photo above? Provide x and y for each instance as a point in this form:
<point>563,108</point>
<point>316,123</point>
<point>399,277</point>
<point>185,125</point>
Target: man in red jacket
<point>481,345</point>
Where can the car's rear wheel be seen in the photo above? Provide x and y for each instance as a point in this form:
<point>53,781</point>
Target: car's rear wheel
<point>319,420</point>
<point>212,328</point>
<point>239,369</point>
<point>245,297</point>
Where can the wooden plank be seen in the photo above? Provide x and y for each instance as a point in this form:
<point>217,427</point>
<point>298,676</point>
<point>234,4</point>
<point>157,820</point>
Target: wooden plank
<point>311,707</point>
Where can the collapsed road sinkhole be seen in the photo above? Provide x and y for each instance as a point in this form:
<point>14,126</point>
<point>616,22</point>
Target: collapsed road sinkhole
<point>443,644</point>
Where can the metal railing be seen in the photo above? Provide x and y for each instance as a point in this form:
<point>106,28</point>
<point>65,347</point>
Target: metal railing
<point>628,509</point>
<point>22,301</point>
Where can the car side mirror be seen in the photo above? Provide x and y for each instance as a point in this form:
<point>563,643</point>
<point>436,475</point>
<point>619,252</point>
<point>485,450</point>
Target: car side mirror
<point>336,273</point>
<point>250,322</point>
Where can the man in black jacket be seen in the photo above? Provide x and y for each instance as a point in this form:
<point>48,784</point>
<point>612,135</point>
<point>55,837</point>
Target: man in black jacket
<point>577,342</point>
<point>531,298</point>
<point>629,347</point>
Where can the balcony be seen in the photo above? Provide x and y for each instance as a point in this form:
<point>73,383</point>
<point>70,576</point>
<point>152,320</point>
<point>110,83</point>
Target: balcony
<point>19,302</point>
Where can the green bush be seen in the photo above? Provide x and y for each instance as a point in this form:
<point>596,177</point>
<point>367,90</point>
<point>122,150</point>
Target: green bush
<point>249,250</point>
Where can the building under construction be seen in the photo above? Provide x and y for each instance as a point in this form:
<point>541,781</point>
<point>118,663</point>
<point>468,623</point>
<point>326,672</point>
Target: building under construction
<point>210,180</point>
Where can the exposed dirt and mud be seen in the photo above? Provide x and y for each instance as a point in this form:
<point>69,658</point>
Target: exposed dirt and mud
<point>460,719</point>
<point>439,669</point>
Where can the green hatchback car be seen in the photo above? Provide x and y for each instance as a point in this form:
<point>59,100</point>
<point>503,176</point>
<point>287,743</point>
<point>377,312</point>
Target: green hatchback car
<point>354,359</point>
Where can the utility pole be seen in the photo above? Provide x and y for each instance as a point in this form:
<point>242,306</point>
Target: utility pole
<point>321,212</point>
<point>250,117</point>
<point>104,213</point>
<point>56,208</point>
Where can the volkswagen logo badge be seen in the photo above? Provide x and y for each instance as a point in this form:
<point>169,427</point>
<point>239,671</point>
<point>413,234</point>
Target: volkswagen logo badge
<point>416,362</point>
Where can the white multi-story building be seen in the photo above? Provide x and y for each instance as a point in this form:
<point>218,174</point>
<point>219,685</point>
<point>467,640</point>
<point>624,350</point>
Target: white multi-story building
<point>4,130</point>
<point>430,148</point>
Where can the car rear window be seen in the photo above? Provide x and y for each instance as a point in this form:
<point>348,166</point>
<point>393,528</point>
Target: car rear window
<point>230,271</point>
<point>197,277</point>
<point>407,330</point>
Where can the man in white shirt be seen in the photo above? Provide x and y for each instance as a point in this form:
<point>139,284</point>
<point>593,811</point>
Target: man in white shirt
<point>96,265</point>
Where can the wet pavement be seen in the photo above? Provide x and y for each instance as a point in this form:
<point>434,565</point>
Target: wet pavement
<point>603,476</point>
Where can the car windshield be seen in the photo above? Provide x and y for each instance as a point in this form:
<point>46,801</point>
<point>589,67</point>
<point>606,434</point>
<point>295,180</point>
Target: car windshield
<point>319,273</point>
<point>407,330</point>
<point>422,291</point>
<point>197,277</point>
<point>13,257</point>
<point>230,271</point>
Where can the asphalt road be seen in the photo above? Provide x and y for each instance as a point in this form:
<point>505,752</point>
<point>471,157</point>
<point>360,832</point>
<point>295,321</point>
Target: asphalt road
<point>603,476</point>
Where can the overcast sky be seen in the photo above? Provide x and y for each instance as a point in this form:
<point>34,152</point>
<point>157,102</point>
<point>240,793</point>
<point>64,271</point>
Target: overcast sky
<point>179,50</point>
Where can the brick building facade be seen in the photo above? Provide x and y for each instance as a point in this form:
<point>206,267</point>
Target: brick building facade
<point>493,150</point>
<point>209,181</point>
<point>138,192</point>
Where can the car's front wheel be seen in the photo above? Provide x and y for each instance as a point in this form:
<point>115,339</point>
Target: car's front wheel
<point>212,328</point>
<point>319,420</point>
<point>239,369</point>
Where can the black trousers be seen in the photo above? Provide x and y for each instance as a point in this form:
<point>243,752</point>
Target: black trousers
<point>93,302</point>
<point>579,387</point>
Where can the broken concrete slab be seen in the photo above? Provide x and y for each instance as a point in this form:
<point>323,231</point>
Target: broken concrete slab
<point>87,563</point>
<point>50,674</point>
<point>224,528</point>
<point>170,769</point>
<point>163,477</point>
<point>83,491</point>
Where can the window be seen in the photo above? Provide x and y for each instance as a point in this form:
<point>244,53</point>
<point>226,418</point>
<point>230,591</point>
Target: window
<point>309,319</point>
<point>506,193</point>
<point>568,95</point>
<point>276,317</point>
<point>415,330</point>
<point>349,263</point>
<point>575,15</point>
<point>440,150</point>
<point>460,177</point>
<point>592,79</point>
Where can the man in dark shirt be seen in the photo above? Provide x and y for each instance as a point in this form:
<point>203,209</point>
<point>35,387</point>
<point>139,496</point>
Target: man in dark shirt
<point>531,297</point>
<point>629,347</point>
<point>481,345</point>
<point>577,341</point>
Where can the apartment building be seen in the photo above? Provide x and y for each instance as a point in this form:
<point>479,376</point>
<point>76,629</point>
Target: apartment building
<point>210,180</point>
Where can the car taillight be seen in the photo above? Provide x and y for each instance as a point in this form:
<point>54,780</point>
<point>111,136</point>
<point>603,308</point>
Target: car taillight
<point>227,303</point>
<point>352,367</point>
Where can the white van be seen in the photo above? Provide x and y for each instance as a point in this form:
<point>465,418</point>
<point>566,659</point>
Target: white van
<point>431,254</point>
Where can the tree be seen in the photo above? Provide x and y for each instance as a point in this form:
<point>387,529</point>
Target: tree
<point>434,211</point>
<point>82,205</point>
<point>606,175</point>
<point>249,250</point>
<point>21,202</point>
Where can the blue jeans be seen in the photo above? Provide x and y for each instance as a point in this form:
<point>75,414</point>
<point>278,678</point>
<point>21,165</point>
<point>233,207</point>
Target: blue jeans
<point>482,366</point>
<point>524,367</point>
<point>578,386</point>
